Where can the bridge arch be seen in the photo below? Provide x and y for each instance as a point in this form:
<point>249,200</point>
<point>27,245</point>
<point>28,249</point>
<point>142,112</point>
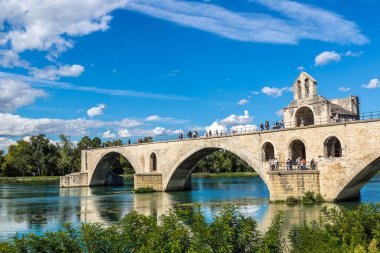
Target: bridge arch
<point>180,175</point>
<point>354,183</point>
<point>102,166</point>
<point>304,116</point>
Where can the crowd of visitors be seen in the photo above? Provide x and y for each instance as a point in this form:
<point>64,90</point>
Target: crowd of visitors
<point>275,125</point>
<point>290,164</point>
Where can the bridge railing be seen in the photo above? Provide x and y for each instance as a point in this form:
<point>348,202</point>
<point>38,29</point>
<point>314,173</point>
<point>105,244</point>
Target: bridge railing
<point>283,166</point>
<point>253,128</point>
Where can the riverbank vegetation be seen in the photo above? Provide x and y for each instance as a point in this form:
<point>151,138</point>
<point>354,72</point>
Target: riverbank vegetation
<point>38,156</point>
<point>186,230</point>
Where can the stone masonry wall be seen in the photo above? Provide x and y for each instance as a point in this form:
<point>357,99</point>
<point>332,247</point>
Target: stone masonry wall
<point>148,180</point>
<point>74,180</point>
<point>292,184</point>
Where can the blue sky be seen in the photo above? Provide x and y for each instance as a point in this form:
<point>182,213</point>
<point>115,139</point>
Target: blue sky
<point>118,68</point>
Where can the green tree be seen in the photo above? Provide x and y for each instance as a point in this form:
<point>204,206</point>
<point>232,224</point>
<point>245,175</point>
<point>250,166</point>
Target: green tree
<point>44,155</point>
<point>18,161</point>
<point>66,162</point>
<point>2,160</point>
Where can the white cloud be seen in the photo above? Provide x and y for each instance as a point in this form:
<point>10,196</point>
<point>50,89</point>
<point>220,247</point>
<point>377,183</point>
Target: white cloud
<point>153,118</point>
<point>280,113</point>
<point>243,102</point>
<point>244,128</point>
<point>374,83</point>
<point>54,73</point>
<point>301,68</point>
<point>255,92</point>
<point>344,89</point>
<point>123,133</point>
<point>301,21</point>
<point>108,135</point>
<point>17,93</point>
<point>96,111</point>
<point>159,131</point>
<point>5,143</point>
<point>216,127</point>
<point>15,125</point>
<point>273,91</point>
<point>10,59</point>
<point>37,82</point>
<point>327,57</point>
<point>237,119</point>
<point>353,54</point>
<point>50,25</point>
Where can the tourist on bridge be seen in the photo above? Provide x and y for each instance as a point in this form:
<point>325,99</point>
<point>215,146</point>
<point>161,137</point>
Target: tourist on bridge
<point>312,164</point>
<point>304,164</point>
<point>261,127</point>
<point>289,164</point>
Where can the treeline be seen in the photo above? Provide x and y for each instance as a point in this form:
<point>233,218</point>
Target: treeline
<point>39,156</point>
<point>186,230</point>
<point>222,161</point>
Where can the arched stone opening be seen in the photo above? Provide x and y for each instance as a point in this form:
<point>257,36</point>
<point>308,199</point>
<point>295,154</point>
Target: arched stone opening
<point>351,191</point>
<point>333,147</point>
<point>268,152</point>
<point>304,117</point>
<point>297,149</point>
<point>181,176</point>
<point>109,169</point>
<point>153,162</point>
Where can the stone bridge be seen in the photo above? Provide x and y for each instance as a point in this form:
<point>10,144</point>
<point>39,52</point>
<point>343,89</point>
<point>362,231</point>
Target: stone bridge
<point>347,155</point>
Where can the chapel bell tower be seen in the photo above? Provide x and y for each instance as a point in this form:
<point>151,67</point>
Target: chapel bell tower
<point>305,87</point>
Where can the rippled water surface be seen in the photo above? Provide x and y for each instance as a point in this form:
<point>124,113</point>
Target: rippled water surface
<point>38,208</point>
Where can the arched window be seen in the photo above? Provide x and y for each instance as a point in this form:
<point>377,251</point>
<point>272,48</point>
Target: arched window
<point>307,87</point>
<point>304,117</point>
<point>153,162</point>
<point>297,150</point>
<point>299,90</point>
<point>268,151</point>
<point>333,148</point>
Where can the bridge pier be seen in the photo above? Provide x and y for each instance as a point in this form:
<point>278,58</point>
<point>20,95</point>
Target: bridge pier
<point>148,180</point>
<point>285,184</point>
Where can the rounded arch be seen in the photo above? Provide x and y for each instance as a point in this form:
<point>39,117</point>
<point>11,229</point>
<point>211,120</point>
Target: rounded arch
<point>355,183</point>
<point>304,116</point>
<point>153,162</point>
<point>297,149</point>
<point>101,170</point>
<point>180,174</point>
<point>332,147</point>
<point>267,151</point>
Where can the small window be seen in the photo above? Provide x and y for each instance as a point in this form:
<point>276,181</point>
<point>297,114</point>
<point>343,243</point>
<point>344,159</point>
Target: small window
<point>333,148</point>
<point>268,151</point>
<point>153,162</point>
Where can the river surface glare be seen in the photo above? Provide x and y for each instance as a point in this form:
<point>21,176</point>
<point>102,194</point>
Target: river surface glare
<point>38,208</point>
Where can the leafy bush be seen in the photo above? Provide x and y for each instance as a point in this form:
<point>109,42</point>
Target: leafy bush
<point>182,231</point>
<point>340,231</point>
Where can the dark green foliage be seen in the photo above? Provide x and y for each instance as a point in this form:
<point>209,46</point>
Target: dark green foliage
<point>222,161</point>
<point>307,198</point>
<point>182,231</point>
<point>41,157</point>
<point>340,231</point>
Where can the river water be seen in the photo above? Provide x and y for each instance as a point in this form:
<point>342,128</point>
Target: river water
<point>38,208</point>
